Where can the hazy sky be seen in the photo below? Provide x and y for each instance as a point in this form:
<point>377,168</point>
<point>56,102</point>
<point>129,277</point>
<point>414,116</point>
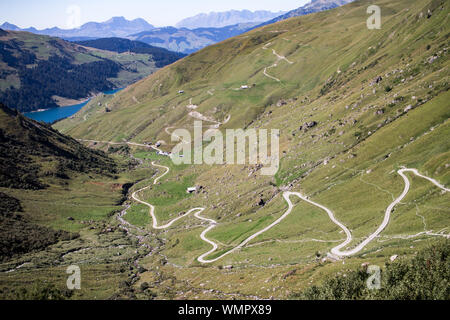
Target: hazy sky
<point>64,13</point>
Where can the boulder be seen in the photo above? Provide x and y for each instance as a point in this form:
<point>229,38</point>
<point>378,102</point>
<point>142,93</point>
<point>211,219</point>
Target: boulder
<point>261,202</point>
<point>378,79</point>
<point>311,124</point>
<point>281,103</point>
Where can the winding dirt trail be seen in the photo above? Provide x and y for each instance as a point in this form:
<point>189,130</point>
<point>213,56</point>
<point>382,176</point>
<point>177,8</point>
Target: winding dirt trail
<point>279,58</point>
<point>122,143</point>
<point>198,116</point>
<point>167,130</point>
<point>213,223</point>
<point>337,252</point>
<point>152,208</point>
<point>170,223</point>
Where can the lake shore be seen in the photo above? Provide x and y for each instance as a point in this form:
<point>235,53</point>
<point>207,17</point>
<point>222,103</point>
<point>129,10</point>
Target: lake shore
<point>66,102</point>
<point>51,115</point>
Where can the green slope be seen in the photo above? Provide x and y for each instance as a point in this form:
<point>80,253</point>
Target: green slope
<point>58,201</point>
<point>365,132</point>
<point>41,72</point>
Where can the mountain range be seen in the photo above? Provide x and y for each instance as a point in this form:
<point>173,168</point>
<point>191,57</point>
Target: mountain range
<point>188,41</point>
<point>311,7</point>
<point>182,40</point>
<point>189,35</point>
<point>228,18</point>
<point>114,27</point>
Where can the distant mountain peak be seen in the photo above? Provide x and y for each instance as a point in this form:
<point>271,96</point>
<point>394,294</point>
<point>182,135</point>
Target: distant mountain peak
<point>140,20</point>
<point>227,18</point>
<point>327,2</point>
<point>122,21</point>
<point>114,27</point>
<point>118,18</point>
<point>9,26</point>
<point>311,7</point>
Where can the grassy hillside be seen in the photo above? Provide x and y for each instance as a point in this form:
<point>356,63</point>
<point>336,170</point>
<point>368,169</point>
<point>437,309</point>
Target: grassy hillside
<point>34,157</point>
<point>19,236</point>
<point>42,72</point>
<point>328,71</point>
<point>58,201</point>
<point>31,151</point>
<point>379,100</point>
<point>162,57</point>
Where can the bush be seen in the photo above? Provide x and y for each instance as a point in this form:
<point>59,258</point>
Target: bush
<point>424,277</point>
<point>18,235</point>
<point>41,291</point>
<point>144,286</point>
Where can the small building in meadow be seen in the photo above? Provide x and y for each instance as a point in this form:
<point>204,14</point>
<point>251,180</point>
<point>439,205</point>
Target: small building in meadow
<point>191,190</point>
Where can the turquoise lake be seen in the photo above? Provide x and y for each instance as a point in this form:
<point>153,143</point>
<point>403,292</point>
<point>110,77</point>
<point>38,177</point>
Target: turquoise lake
<point>55,114</point>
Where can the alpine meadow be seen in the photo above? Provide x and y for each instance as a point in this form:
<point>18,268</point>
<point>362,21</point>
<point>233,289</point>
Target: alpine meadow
<point>357,119</point>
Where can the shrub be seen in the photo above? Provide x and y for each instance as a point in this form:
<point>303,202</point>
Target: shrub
<point>424,277</point>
